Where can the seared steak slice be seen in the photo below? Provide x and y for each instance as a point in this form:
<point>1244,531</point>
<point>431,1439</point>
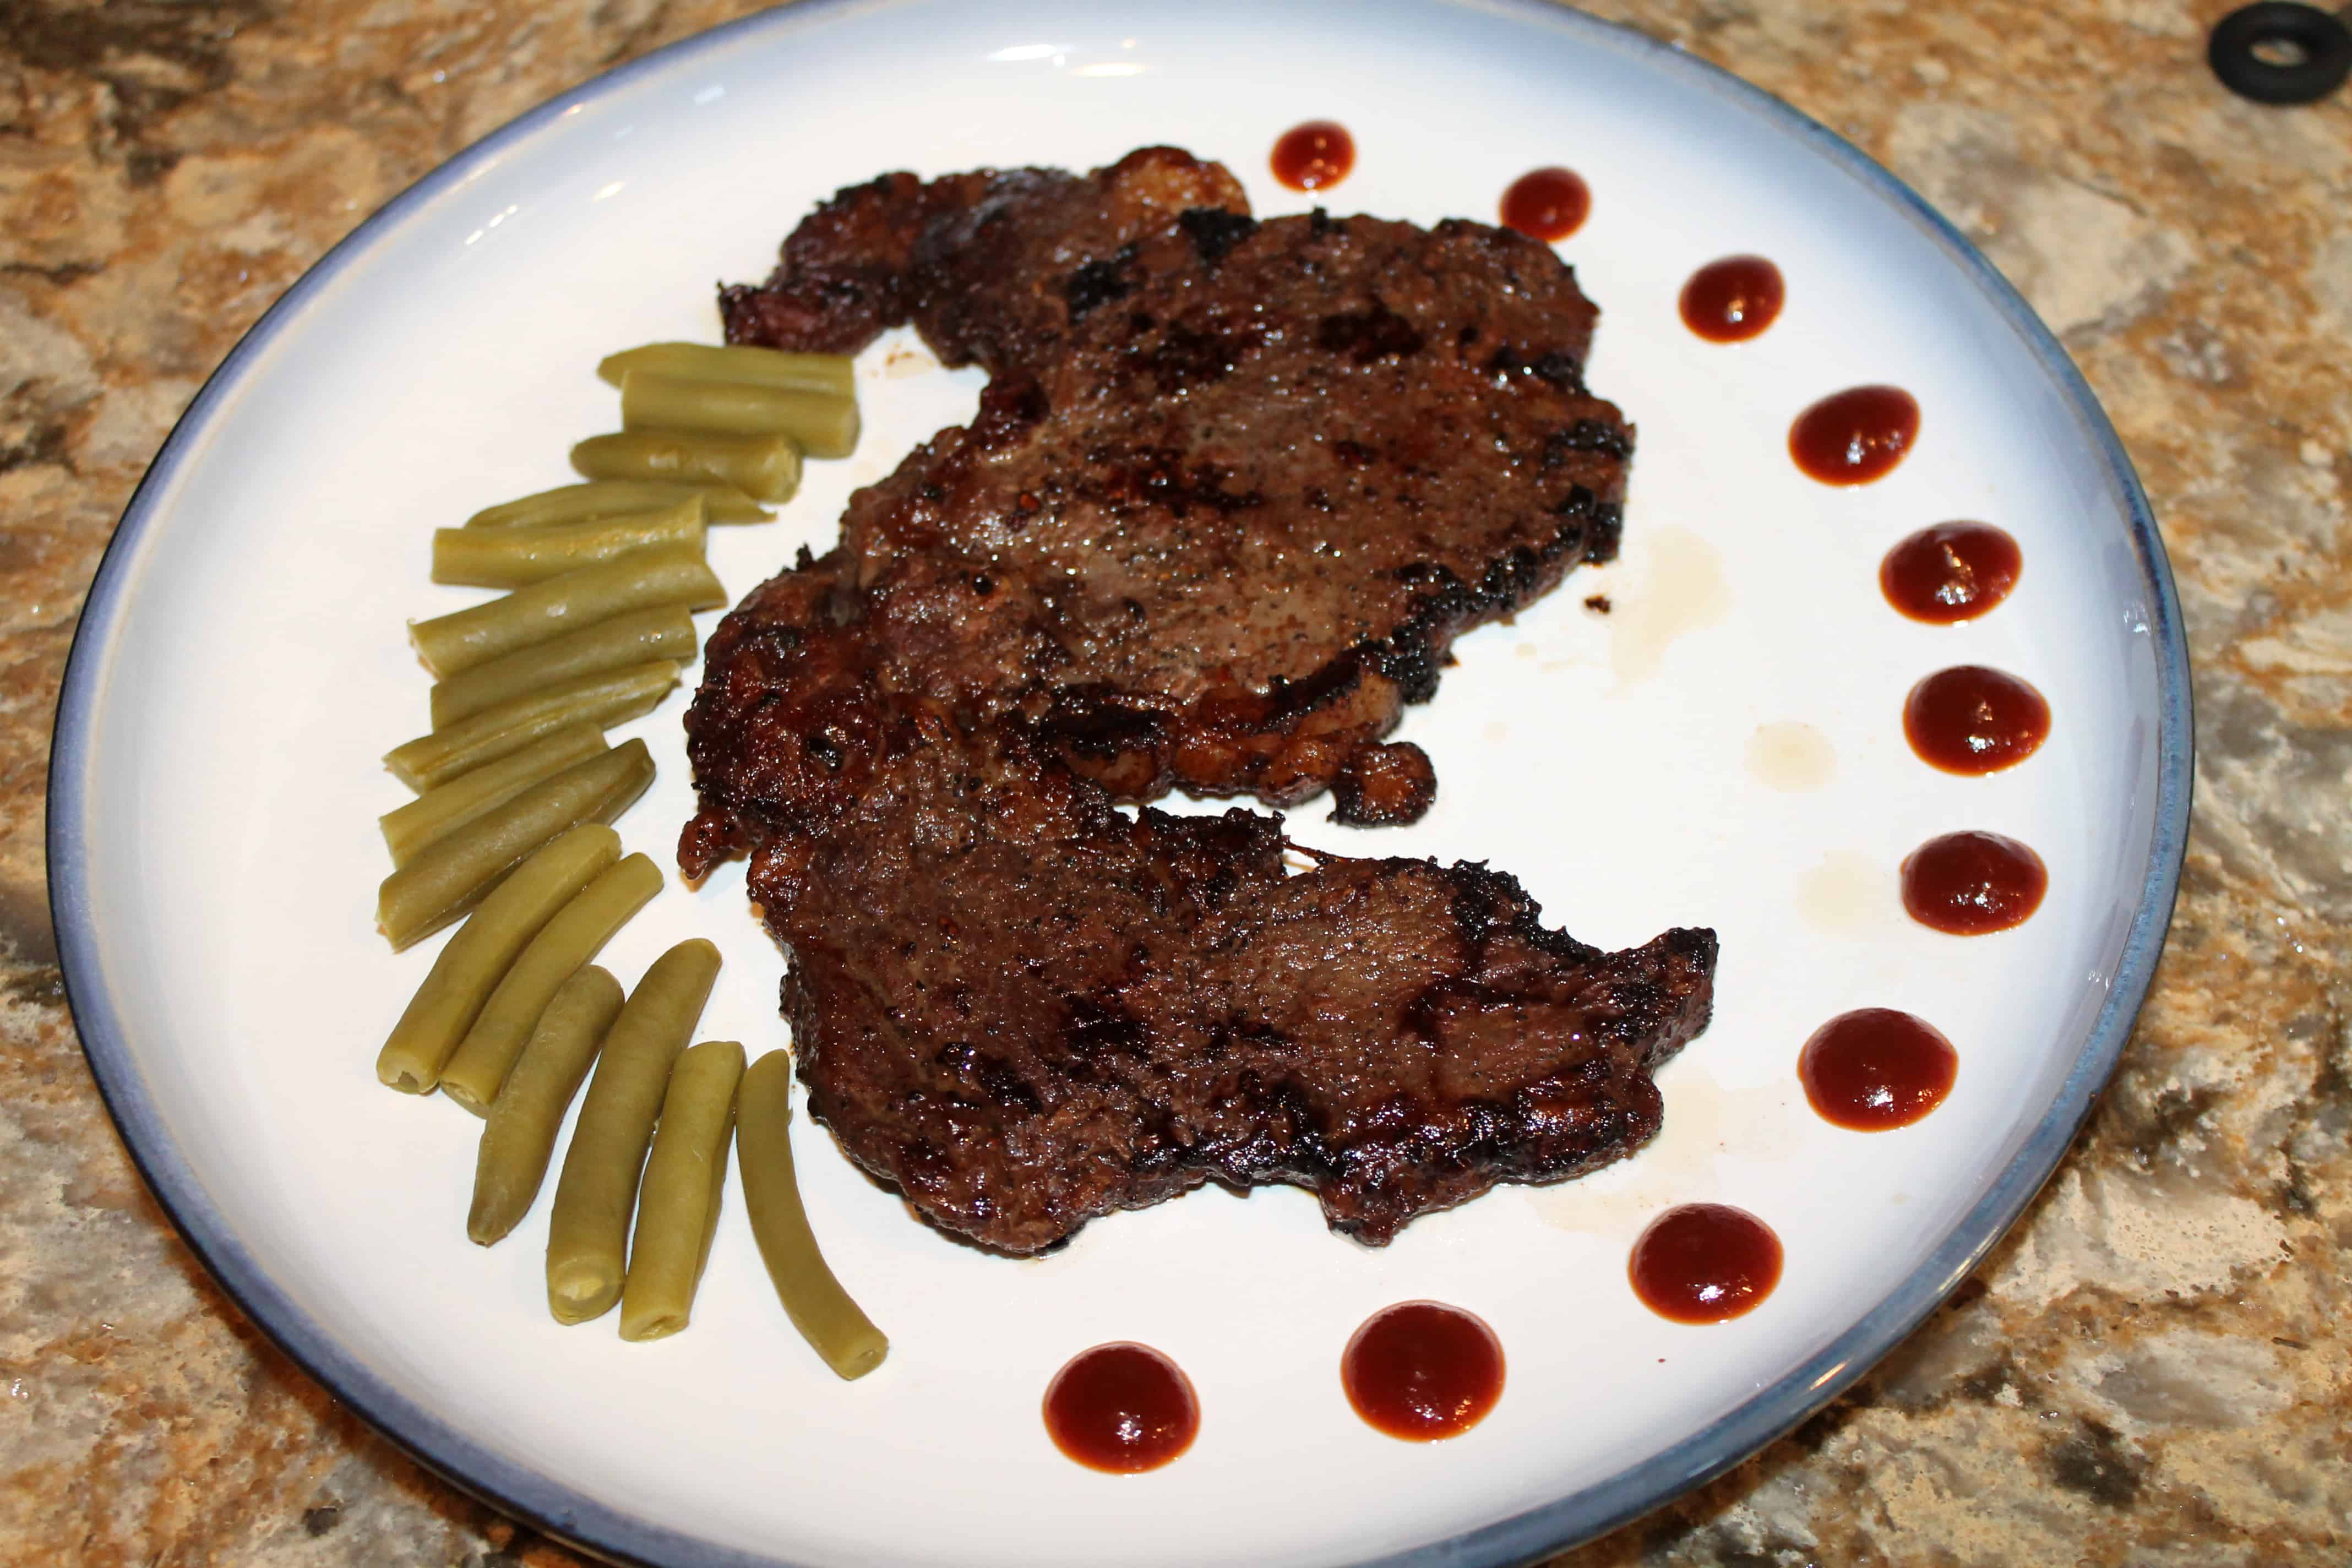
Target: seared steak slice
<point>1233,488</point>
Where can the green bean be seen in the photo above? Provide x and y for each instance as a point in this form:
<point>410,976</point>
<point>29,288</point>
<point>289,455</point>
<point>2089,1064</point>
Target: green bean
<point>452,644</point>
<point>766,468</point>
<point>454,875</point>
<point>472,962</point>
<point>430,815</point>
<point>516,557</point>
<point>576,934</point>
<point>616,498</point>
<point>824,425</point>
<point>614,697</point>
<point>520,1135</point>
<point>835,373</point>
<point>589,1227</point>
<point>664,632</point>
<point>678,1210</point>
<point>819,1308</point>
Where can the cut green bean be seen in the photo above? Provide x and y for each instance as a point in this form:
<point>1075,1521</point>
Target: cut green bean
<point>518,557</point>
<point>453,876</point>
<point>819,1308</point>
<point>578,932</point>
<point>589,1228</point>
<point>613,697</point>
<point>766,468</point>
<point>471,962</point>
<point>520,1136</point>
<point>835,373</point>
<point>617,498</point>
<point>677,1209</point>
<point>665,632</point>
<point>824,424</point>
<point>452,644</point>
<point>437,812</point>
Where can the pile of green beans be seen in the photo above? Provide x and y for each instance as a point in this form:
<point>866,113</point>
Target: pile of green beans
<point>510,833</point>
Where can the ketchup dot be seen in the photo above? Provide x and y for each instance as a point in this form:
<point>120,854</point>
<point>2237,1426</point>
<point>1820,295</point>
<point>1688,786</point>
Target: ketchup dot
<point>1967,884</point>
<point>1314,156</point>
<point>1547,204</point>
<point>1705,1263</point>
<point>1422,1371</point>
<point>1854,437</point>
<point>1974,720</point>
<point>1122,1407</point>
<point>1951,572</point>
<point>1733,299</point>
<point>1876,1069</point>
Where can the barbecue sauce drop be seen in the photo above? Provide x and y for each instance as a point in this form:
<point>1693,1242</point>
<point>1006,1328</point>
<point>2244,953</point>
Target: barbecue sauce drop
<point>1854,437</point>
<point>1549,204</point>
<point>1876,1069</point>
<point>1122,1407</point>
<point>1952,571</point>
<point>1422,1371</point>
<point>1705,1263</point>
<point>1733,299</point>
<point>1314,156</point>
<point>1967,884</point>
<point>1973,719</point>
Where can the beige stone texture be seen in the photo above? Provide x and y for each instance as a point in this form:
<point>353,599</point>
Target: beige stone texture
<point>2151,1372</point>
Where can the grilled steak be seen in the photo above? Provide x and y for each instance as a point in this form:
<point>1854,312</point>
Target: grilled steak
<point>1233,488</point>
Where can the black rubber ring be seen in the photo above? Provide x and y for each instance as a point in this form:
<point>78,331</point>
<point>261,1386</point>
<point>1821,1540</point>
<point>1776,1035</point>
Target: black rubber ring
<point>2325,43</point>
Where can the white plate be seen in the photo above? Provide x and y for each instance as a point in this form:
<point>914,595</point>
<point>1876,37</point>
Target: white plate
<point>241,666</point>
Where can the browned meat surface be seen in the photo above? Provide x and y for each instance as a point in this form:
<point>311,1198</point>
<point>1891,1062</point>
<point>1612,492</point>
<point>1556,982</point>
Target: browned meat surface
<point>1232,490</point>
<point>1025,1010</point>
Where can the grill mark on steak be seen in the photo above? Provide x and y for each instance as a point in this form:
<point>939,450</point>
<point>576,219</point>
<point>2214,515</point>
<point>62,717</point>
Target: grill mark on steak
<point>1233,488</point>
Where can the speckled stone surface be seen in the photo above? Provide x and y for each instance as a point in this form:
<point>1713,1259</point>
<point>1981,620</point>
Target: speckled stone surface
<point>2152,1371</point>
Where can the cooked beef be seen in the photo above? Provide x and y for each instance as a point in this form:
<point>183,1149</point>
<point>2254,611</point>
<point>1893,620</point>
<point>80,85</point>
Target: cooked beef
<point>1377,785</point>
<point>1024,1008</point>
<point>1232,491</point>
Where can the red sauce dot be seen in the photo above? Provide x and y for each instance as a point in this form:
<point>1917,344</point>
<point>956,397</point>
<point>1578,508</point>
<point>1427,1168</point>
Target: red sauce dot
<point>1314,156</point>
<point>1973,719</point>
<point>1422,1371</point>
<point>1952,571</point>
<point>1547,204</point>
<point>1733,299</point>
<point>1967,884</point>
<point>1122,1407</point>
<point>1854,437</point>
<point>1875,1068</point>
<point>1705,1263</point>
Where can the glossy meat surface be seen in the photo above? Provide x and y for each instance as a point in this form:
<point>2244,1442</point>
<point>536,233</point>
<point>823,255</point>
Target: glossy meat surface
<point>1232,489</point>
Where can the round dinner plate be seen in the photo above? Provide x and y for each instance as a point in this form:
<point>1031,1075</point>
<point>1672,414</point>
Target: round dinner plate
<point>1723,747</point>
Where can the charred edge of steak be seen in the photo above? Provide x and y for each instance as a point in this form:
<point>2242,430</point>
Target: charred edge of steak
<point>1414,655</point>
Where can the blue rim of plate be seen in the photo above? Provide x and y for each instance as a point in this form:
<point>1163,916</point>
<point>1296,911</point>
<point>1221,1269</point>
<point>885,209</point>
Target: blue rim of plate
<point>577,1520</point>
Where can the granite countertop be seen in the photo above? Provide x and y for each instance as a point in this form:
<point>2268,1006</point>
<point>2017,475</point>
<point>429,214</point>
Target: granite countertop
<point>2152,1370</point>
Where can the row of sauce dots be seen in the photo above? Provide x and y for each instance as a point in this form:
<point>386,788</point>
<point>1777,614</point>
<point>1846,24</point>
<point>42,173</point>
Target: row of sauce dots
<point>1423,1370</point>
